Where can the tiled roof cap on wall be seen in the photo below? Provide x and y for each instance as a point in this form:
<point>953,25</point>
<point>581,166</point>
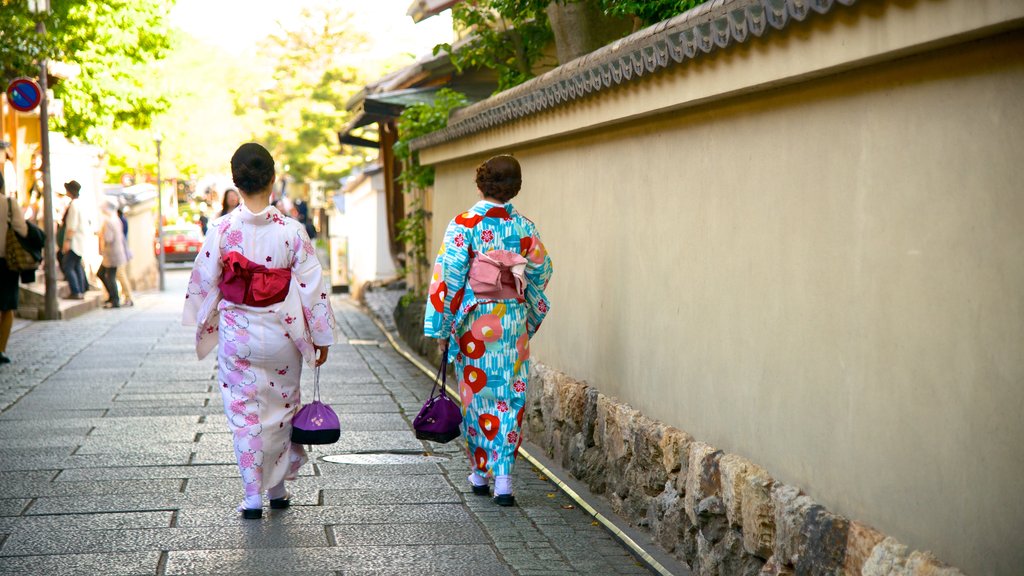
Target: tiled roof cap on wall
<point>713,25</point>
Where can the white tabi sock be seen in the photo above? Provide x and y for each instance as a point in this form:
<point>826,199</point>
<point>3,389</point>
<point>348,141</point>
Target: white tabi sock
<point>477,480</point>
<point>277,492</point>
<point>502,485</point>
<point>251,503</point>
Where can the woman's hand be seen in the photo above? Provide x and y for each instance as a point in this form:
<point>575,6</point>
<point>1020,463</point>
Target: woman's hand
<point>441,343</point>
<point>321,354</point>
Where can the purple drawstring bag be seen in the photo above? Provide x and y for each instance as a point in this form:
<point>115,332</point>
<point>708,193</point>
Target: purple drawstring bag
<point>440,418</point>
<point>316,422</point>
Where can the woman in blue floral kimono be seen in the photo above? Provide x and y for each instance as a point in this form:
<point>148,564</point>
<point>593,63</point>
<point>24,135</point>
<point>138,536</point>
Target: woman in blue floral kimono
<point>486,301</point>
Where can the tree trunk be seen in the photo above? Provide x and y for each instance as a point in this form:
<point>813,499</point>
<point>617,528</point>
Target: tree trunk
<point>581,27</point>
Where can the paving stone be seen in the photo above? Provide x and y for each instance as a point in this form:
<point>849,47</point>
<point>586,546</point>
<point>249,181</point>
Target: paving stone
<point>333,515</point>
<point>142,472</point>
<point>106,503</point>
<point>17,413</point>
<point>438,494</point>
<point>408,534</point>
<point>12,506</point>
<point>34,489</point>
<point>109,521</point>
<point>118,411</point>
<point>136,444</point>
<point>440,559</point>
<point>251,535</point>
<point>127,564</point>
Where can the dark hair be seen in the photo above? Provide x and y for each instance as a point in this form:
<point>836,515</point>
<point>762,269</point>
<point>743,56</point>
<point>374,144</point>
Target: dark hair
<point>252,168</point>
<point>500,178</point>
<point>72,188</point>
<point>224,209</point>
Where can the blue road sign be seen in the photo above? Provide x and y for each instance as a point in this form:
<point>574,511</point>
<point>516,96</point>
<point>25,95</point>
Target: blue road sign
<point>24,94</point>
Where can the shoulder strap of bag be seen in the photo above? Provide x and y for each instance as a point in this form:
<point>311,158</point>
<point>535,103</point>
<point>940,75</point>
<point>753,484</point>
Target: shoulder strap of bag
<point>442,372</point>
<point>316,384</point>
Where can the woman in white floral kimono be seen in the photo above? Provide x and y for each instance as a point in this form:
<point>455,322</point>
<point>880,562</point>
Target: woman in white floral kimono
<point>257,294</point>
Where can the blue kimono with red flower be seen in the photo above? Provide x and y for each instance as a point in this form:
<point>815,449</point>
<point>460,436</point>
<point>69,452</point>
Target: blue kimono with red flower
<point>489,338</point>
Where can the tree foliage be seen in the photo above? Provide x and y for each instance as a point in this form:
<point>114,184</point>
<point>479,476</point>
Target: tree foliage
<point>111,41</point>
<point>509,36</point>
<point>648,12</point>
<point>415,121</point>
<point>314,75</point>
<point>512,36</point>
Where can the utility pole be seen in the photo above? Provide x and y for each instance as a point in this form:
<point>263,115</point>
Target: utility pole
<point>158,138</point>
<point>51,310</point>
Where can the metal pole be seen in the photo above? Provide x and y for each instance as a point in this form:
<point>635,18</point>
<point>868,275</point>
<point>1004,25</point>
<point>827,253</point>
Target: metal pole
<point>51,310</point>
<point>160,215</point>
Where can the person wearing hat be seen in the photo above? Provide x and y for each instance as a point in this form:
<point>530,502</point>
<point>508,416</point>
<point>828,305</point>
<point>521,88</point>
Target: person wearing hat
<point>73,229</point>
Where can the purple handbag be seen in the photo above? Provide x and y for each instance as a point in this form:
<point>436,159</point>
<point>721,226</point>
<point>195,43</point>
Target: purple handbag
<point>440,418</point>
<point>316,422</point>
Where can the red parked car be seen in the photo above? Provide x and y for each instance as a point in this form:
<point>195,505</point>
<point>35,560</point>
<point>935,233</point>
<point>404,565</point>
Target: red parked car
<point>183,243</point>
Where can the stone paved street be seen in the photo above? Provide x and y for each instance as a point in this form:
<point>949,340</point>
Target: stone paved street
<point>115,459</point>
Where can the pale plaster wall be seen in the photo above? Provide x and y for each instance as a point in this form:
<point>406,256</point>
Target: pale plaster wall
<point>826,278</point>
<point>369,252</point>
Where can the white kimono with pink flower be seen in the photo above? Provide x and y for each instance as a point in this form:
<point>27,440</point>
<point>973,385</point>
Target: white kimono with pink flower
<point>260,350</point>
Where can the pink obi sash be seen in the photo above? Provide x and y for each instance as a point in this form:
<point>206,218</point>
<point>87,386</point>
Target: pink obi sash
<point>498,275</point>
<point>246,282</point>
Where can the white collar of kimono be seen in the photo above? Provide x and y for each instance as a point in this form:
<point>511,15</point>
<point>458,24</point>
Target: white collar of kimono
<point>486,205</point>
<point>266,216</point>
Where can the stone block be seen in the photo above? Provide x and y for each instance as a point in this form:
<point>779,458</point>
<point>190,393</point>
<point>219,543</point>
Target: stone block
<point>773,567</point>
<point>589,416</point>
<point>824,537</point>
<point>645,472</point>
<point>675,448</point>
<point>891,558</point>
<point>702,478</point>
<point>860,541</point>
<point>791,508</point>
<point>665,518</point>
<point>924,564</point>
<point>758,513</point>
<point>888,558</point>
<point>734,470</point>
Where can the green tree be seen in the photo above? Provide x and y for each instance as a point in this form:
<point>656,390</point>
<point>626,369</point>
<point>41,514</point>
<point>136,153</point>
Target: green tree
<point>314,74</point>
<point>110,41</point>
<point>415,121</point>
<point>508,36</point>
<point>513,37</point>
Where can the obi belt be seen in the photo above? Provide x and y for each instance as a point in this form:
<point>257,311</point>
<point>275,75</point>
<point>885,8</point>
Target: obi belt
<point>246,282</point>
<point>498,275</point>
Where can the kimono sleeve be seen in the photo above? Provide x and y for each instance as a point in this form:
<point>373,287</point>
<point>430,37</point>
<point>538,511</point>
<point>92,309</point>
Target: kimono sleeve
<point>538,274</point>
<point>448,282</point>
<point>308,279</point>
<point>205,276</point>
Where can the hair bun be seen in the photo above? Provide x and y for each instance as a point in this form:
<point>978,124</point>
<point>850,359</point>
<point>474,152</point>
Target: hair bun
<point>252,168</point>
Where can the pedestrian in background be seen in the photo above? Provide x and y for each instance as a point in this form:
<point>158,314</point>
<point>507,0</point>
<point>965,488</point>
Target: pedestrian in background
<point>486,300</point>
<point>122,271</point>
<point>73,229</point>
<point>230,201</point>
<point>10,215</point>
<point>257,294</point>
<point>112,247</point>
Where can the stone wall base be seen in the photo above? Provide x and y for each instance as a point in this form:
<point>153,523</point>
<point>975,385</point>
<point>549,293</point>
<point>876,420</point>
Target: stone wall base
<point>719,513</point>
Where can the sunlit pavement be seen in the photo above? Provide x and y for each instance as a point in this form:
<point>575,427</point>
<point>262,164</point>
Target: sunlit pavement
<point>116,460</point>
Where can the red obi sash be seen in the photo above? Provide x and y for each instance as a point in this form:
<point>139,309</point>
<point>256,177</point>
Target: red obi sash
<point>246,282</point>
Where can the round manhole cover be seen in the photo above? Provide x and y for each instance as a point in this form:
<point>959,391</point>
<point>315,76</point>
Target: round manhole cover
<point>369,459</point>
